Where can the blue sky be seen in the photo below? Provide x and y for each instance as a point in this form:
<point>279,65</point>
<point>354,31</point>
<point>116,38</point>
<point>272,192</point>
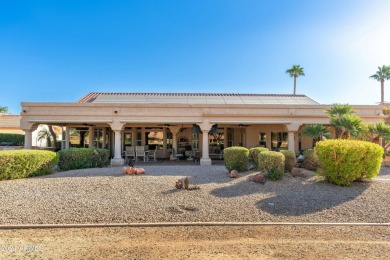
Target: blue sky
<point>57,51</point>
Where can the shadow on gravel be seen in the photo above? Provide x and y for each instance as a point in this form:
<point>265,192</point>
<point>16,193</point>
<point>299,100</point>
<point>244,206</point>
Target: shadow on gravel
<point>293,196</point>
<point>304,199</point>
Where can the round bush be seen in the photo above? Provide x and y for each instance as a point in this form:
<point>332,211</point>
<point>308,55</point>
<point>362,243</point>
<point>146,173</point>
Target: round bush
<point>345,161</point>
<point>236,158</point>
<point>290,160</point>
<point>310,160</point>
<point>81,158</point>
<point>18,164</point>
<point>254,152</point>
<point>272,163</point>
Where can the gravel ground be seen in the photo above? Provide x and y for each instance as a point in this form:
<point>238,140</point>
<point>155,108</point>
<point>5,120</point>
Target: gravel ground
<point>106,195</point>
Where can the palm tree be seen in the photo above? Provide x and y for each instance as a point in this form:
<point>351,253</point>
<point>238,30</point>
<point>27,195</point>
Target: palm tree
<point>44,133</point>
<point>316,131</point>
<point>295,72</point>
<point>3,110</point>
<point>381,75</point>
<point>350,125</point>
<point>336,114</point>
<point>379,131</point>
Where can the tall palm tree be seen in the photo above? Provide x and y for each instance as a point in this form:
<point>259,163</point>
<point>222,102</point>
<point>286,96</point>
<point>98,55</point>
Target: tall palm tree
<point>295,72</point>
<point>316,131</point>
<point>381,75</point>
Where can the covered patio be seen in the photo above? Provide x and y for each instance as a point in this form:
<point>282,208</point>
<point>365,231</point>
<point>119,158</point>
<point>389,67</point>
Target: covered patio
<point>183,123</point>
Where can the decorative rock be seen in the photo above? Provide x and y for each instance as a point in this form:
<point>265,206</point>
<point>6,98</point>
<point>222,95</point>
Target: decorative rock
<point>297,172</point>
<point>132,170</point>
<point>233,174</point>
<point>259,178</point>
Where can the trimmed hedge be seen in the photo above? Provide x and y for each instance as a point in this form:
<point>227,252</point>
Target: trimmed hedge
<point>273,163</point>
<point>290,160</point>
<point>81,158</point>
<point>18,139</point>
<point>310,160</point>
<point>16,164</point>
<point>345,161</point>
<point>254,153</point>
<point>236,158</point>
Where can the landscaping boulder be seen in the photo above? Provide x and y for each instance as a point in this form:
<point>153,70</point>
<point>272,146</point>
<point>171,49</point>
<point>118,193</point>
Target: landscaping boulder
<point>297,172</point>
<point>259,178</point>
<point>233,174</point>
<point>133,170</point>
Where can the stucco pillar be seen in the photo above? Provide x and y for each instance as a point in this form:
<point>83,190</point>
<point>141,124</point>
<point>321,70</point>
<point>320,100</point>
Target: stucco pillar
<point>291,141</point>
<point>117,128</point>
<point>164,139</point>
<point>67,134</point>
<point>143,136</point>
<point>174,130</point>
<point>90,139</point>
<point>225,136</point>
<point>205,127</point>
<point>28,129</point>
<point>27,139</point>
<point>292,130</point>
<point>133,136</point>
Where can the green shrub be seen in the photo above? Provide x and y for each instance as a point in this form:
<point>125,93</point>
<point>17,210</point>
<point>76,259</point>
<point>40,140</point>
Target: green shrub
<point>254,152</point>
<point>290,160</point>
<point>81,158</point>
<point>345,161</point>
<point>15,138</point>
<point>273,163</point>
<point>236,158</point>
<point>310,160</point>
<point>16,164</point>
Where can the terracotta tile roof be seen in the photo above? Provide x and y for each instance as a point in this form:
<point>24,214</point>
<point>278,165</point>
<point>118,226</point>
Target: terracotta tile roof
<point>10,121</point>
<point>209,98</point>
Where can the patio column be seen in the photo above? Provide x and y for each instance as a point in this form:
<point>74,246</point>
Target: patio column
<point>143,136</point>
<point>164,140</point>
<point>291,141</point>
<point>292,129</point>
<point>117,128</point>
<point>67,134</point>
<point>205,127</point>
<point>28,129</point>
<point>27,139</point>
<point>104,137</point>
<point>174,130</point>
<point>90,139</point>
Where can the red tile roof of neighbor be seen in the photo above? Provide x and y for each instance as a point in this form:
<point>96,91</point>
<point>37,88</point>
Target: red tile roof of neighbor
<point>101,97</point>
<point>10,121</point>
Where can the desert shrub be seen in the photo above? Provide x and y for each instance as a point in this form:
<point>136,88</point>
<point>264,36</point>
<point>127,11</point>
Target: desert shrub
<point>290,160</point>
<point>16,164</point>
<point>272,163</point>
<point>81,158</point>
<point>254,152</point>
<point>310,160</point>
<point>18,139</point>
<point>345,161</point>
<point>236,158</point>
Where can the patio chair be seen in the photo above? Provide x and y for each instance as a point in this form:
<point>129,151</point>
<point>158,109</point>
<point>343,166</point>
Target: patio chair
<point>129,153</point>
<point>140,152</point>
<point>152,154</point>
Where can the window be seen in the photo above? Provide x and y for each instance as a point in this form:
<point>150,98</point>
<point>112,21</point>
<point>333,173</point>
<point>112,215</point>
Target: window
<point>195,141</point>
<point>262,140</point>
<point>139,138</point>
<point>279,140</point>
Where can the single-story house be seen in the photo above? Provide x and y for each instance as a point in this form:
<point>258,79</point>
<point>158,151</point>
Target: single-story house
<point>175,122</point>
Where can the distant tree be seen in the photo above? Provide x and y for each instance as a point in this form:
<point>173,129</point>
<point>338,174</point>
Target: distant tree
<point>3,110</point>
<point>381,75</point>
<point>316,131</point>
<point>295,72</point>
<point>53,135</point>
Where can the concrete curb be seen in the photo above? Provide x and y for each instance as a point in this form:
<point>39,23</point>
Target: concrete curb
<point>184,224</point>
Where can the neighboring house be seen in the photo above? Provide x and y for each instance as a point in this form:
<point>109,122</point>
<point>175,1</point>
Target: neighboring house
<point>10,124</point>
<point>180,120</point>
